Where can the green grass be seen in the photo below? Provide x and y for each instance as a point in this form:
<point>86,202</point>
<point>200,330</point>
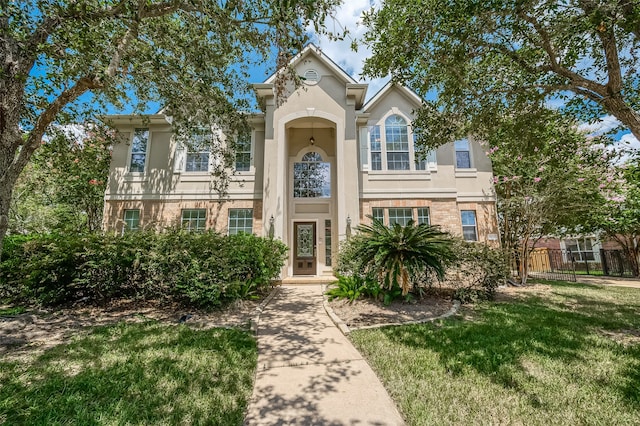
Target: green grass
<point>14,310</point>
<point>133,374</point>
<point>569,355</point>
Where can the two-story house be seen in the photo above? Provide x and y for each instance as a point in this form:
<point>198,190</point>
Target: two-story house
<point>314,168</point>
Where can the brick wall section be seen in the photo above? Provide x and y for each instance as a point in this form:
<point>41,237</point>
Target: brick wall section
<point>445,213</point>
<point>161,214</point>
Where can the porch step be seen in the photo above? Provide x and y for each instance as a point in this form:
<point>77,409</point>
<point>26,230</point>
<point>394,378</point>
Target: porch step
<point>314,280</point>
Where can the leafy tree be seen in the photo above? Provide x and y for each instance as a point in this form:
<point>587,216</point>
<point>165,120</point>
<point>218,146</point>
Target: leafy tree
<point>59,56</point>
<point>397,254</point>
<point>617,214</point>
<point>547,175</point>
<point>488,58</point>
<point>63,186</point>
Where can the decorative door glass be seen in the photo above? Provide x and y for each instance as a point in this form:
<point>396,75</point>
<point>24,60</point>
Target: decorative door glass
<point>305,240</point>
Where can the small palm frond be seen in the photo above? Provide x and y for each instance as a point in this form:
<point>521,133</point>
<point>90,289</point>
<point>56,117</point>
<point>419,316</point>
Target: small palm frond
<point>398,252</point>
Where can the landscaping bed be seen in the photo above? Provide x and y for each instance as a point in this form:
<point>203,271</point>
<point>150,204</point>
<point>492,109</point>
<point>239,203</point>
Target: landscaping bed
<point>35,330</point>
<point>368,312</point>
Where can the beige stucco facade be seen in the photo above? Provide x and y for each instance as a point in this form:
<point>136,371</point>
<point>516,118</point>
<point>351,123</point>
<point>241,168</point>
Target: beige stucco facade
<point>325,120</point>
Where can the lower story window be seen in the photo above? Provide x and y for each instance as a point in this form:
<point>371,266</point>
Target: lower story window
<point>469,228</point>
<point>401,216</point>
<point>194,219</point>
<point>378,213</point>
<point>423,215</point>
<point>132,220</point>
<point>240,220</point>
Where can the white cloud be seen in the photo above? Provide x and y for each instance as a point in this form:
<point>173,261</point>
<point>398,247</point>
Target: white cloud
<point>349,16</point>
<point>603,125</point>
<point>630,141</point>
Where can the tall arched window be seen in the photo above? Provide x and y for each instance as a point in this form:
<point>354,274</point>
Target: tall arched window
<point>312,177</point>
<point>397,143</point>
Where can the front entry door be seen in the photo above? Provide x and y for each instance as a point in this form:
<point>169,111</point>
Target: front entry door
<point>304,260</point>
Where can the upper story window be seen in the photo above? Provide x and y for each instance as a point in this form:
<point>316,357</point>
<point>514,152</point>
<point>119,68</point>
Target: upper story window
<point>391,148</point>
<point>376,148</point>
<point>397,143</point>
<point>463,154</point>
<point>139,146</point>
<point>424,160</point>
<point>198,152</point>
<point>312,177</point>
<point>243,153</point>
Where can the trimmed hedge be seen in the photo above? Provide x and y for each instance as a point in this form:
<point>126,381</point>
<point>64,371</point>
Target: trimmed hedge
<point>201,269</point>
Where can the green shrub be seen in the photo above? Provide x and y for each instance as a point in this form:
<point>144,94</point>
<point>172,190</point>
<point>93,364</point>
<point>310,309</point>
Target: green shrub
<point>350,288</point>
<point>404,257</point>
<point>203,269</point>
<point>476,271</point>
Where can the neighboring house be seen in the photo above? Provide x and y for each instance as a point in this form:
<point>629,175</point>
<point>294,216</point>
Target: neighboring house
<point>315,167</point>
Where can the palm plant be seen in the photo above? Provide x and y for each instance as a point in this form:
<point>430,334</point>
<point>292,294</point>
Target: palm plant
<point>397,253</point>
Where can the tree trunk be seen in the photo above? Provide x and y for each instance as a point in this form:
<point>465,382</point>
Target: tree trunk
<point>617,106</point>
<point>6,189</point>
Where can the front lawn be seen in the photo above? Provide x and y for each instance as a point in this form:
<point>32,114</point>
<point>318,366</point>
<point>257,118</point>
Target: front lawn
<point>558,354</point>
<point>146,373</point>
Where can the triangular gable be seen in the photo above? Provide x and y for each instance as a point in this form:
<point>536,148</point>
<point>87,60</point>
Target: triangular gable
<point>388,88</point>
<point>311,49</point>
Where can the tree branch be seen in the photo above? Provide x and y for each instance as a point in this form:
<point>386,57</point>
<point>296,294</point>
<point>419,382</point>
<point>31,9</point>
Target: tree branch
<point>562,71</point>
<point>46,118</point>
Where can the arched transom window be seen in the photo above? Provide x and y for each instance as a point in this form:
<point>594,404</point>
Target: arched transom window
<point>312,177</point>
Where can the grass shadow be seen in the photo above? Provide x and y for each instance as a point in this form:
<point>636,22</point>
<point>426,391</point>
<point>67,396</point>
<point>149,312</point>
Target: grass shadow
<point>560,330</point>
<point>134,374</point>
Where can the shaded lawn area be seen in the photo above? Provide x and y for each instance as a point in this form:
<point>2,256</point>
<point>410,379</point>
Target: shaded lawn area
<point>569,354</point>
<point>146,373</point>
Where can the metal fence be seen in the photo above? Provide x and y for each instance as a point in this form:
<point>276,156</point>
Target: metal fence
<point>565,264</point>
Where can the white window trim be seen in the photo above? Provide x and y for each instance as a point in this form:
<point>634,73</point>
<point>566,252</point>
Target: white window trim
<point>366,132</point>
<point>229,218</point>
<point>146,154</point>
<point>475,225</point>
<point>455,156</point>
<point>252,166</point>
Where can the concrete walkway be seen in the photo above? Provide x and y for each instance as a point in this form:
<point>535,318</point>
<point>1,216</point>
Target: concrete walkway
<point>608,281</point>
<point>309,373</point>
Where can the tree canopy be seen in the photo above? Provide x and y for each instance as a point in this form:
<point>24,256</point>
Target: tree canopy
<point>190,55</point>
<point>548,178</point>
<point>489,58</point>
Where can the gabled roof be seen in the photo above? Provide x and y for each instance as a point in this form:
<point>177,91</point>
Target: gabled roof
<point>386,89</point>
<point>312,49</point>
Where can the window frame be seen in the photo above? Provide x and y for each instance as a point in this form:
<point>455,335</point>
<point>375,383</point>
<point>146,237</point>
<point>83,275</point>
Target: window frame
<point>375,210</point>
<point>190,219</point>
<point>203,146</point>
<point>236,229</point>
<point>467,150</point>
<point>474,226</point>
<point>379,153</point>
<point>250,167</point>
<point>132,152</point>
<point>128,228</point>
<point>419,217</point>
<point>323,160</point>
<point>393,217</point>
<point>396,142</point>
